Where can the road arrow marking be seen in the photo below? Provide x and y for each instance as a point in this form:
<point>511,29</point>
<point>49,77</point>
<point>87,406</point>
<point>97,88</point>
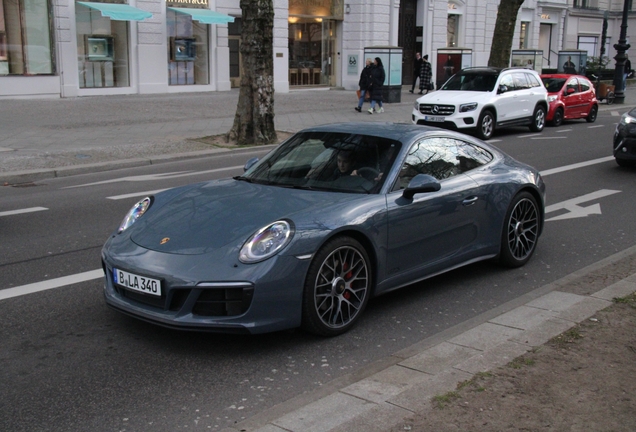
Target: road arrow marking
<point>576,211</point>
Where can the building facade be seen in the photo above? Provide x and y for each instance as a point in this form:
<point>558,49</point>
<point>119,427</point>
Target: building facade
<point>68,48</point>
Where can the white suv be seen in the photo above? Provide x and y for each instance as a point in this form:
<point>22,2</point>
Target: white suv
<point>482,99</point>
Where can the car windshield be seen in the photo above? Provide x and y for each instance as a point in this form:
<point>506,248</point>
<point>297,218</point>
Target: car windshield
<point>471,81</point>
<point>337,162</point>
<point>553,85</point>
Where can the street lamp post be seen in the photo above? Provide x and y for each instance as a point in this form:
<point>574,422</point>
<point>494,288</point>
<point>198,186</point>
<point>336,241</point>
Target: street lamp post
<point>621,47</point>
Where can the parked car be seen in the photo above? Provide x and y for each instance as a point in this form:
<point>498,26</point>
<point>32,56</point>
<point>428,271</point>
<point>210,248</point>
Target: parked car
<point>483,99</point>
<point>571,97</point>
<point>333,216</point>
<point>625,140</point>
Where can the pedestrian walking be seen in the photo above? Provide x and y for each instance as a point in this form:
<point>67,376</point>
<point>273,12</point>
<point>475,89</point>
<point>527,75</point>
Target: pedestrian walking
<point>377,82</point>
<point>364,83</point>
<point>417,67</point>
<point>426,75</point>
<point>626,71</point>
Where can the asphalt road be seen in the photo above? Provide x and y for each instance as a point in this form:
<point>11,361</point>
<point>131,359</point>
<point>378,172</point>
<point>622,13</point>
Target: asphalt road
<point>70,363</point>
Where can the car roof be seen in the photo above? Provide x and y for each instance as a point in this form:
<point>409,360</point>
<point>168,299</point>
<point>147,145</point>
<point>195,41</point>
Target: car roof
<point>563,75</point>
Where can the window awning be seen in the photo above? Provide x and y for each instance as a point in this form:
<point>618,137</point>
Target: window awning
<point>205,16</point>
<point>118,12</point>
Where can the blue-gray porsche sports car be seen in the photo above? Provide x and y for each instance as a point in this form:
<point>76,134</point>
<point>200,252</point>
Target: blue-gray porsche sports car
<point>331,217</point>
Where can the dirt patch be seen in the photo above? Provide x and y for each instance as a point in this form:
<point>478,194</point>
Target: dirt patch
<point>220,140</point>
<point>582,380</point>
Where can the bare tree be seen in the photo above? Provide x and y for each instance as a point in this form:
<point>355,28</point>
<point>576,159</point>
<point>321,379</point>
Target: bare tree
<point>254,119</point>
<point>501,47</point>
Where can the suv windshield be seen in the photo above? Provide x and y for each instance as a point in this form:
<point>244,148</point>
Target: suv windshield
<point>338,162</point>
<point>472,81</point>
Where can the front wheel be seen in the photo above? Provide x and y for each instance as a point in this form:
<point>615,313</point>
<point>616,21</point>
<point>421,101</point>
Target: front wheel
<point>337,287</point>
<point>558,117</point>
<point>591,116</point>
<point>538,119</point>
<point>520,231</point>
<point>486,125</point>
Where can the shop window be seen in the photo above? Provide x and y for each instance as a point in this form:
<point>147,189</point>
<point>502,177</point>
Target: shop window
<point>524,35</point>
<point>311,46</point>
<point>589,44</point>
<point>102,49</point>
<point>452,30</point>
<point>25,38</point>
<point>188,56</point>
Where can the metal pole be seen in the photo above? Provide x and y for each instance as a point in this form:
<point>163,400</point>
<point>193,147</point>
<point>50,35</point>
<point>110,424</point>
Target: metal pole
<point>620,58</point>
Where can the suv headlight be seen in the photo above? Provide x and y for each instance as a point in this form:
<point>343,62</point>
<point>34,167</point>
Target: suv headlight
<point>468,107</point>
<point>266,242</point>
<point>416,106</point>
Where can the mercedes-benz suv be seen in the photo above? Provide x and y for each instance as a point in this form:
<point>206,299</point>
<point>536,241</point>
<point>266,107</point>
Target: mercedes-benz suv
<point>483,99</point>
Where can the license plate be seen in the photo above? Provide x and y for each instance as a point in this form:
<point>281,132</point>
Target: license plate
<point>434,118</point>
<point>137,283</point>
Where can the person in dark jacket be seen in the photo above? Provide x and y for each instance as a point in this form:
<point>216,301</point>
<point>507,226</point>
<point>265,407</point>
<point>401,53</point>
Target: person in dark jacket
<point>364,83</point>
<point>426,75</point>
<point>377,82</point>
<point>417,67</point>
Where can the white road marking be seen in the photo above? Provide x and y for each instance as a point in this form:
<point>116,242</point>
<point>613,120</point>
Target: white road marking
<point>50,284</point>
<point>545,173</point>
<point>135,194</point>
<point>548,138</point>
<point>595,126</point>
<point>161,176</point>
<point>576,211</point>
<point>21,211</point>
<point>564,130</point>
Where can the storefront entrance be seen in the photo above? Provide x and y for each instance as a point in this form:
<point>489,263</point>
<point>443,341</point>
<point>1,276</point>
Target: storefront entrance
<point>311,51</point>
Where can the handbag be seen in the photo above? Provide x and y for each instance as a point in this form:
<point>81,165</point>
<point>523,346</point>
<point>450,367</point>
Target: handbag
<point>367,94</point>
<point>358,93</point>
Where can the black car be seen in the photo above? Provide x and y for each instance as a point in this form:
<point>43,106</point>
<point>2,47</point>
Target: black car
<point>625,140</point>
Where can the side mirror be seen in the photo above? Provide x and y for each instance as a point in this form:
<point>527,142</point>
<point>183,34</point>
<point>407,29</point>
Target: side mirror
<point>421,183</point>
<point>502,89</point>
<point>250,163</point>
<point>569,91</point>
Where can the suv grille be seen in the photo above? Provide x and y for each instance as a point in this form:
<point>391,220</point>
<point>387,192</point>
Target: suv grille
<point>435,109</point>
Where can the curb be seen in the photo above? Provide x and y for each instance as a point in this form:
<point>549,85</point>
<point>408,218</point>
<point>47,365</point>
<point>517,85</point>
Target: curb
<point>388,391</point>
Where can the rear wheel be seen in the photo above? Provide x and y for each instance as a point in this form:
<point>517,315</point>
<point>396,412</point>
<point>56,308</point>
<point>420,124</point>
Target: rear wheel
<point>591,117</point>
<point>610,97</point>
<point>520,231</point>
<point>337,287</point>
<point>486,125</point>
<point>558,117</point>
<point>538,119</point>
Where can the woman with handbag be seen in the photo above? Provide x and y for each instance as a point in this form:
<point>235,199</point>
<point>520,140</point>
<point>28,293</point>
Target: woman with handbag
<point>426,75</point>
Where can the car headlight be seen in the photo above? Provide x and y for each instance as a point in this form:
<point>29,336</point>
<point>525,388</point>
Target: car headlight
<point>266,242</point>
<point>416,106</point>
<point>468,107</point>
<point>552,98</point>
<point>626,119</point>
<point>135,213</point>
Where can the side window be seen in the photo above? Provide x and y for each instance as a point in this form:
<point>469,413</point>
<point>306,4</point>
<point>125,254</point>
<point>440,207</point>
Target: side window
<point>437,157</point>
<point>574,85</point>
<point>585,85</point>
<point>470,156</point>
<point>533,81</point>
<point>520,81</point>
<point>508,82</point>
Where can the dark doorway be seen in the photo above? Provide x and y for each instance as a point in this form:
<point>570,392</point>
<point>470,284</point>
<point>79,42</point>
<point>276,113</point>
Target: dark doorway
<point>407,38</point>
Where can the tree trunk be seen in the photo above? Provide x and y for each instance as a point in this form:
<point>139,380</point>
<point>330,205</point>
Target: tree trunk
<point>254,119</point>
<point>504,32</point>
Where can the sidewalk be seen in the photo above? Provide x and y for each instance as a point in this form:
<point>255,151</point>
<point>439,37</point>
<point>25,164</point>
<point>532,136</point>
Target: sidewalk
<point>50,138</point>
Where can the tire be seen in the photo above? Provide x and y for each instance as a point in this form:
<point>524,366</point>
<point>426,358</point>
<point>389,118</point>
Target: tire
<point>557,119</point>
<point>610,97</point>
<point>520,232</point>
<point>591,116</point>
<point>625,163</point>
<point>337,288</point>
<point>486,125</point>
<point>538,119</point>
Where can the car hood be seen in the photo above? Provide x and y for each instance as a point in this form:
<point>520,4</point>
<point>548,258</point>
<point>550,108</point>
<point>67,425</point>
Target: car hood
<point>223,213</point>
<point>454,97</point>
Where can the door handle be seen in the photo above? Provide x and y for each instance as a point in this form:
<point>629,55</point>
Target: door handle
<point>470,201</point>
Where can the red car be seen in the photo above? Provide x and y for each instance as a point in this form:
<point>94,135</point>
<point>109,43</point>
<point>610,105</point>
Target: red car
<point>570,97</point>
